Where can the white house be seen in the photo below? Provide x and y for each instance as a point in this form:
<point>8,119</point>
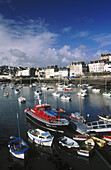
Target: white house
<point>96,66</point>
<point>23,72</point>
<point>63,72</point>
<point>77,68</point>
<point>50,71</point>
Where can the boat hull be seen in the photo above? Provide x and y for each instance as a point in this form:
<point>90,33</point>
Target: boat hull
<point>46,124</point>
<point>39,141</point>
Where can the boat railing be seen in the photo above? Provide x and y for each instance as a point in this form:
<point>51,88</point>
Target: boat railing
<point>98,124</point>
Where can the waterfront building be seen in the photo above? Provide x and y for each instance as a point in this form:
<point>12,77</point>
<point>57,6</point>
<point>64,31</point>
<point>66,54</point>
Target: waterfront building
<point>106,57</point>
<point>26,72</point>
<point>96,66</point>
<point>77,68</point>
<point>50,71</point>
<point>107,67</point>
<point>63,72</point>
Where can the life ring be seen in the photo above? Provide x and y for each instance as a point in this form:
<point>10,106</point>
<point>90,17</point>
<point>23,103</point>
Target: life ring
<point>51,120</point>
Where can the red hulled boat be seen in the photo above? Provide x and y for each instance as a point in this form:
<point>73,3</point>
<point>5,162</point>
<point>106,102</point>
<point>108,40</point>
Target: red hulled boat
<point>44,115</point>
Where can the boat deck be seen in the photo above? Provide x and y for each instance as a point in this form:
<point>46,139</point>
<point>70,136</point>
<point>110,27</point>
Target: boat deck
<point>99,126</point>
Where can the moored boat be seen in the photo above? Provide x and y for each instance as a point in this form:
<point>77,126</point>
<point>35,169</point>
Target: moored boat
<point>68,142</point>
<point>21,99</point>
<point>17,147</point>
<point>5,94</point>
<point>77,116</point>
<point>80,137</point>
<point>44,115</point>
<point>40,137</point>
<point>85,151</point>
<point>105,117</point>
<point>99,141</point>
<point>107,138</point>
<point>66,97</point>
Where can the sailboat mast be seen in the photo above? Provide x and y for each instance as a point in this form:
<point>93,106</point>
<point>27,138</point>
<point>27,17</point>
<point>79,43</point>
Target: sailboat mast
<point>18,125</point>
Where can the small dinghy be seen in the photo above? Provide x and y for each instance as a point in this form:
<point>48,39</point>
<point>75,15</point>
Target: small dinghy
<point>80,137</point>
<point>17,147</point>
<point>40,137</point>
<point>107,138</point>
<point>85,151</point>
<point>100,142</point>
<point>68,142</point>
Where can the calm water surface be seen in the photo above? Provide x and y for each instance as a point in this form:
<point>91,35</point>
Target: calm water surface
<point>55,157</point>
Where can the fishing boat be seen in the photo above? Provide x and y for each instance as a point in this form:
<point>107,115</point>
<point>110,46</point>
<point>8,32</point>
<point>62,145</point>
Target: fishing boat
<point>68,142</point>
<point>100,142</point>
<point>105,117</point>
<point>107,138</point>
<point>44,115</point>
<point>17,146</point>
<point>80,137</point>
<point>77,116</point>
<point>40,137</point>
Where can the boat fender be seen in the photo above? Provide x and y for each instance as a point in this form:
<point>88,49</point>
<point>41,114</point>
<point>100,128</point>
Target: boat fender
<point>50,120</point>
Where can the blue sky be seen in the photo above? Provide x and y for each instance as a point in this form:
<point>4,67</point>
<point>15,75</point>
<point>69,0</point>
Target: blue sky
<point>38,33</point>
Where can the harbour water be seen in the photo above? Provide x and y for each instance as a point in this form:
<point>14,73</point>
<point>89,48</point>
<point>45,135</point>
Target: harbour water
<point>55,157</point>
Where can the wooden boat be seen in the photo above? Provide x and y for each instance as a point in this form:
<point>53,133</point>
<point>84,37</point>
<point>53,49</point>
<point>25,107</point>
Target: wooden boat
<point>80,137</point>
<point>85,151</point>
<point>40,137</point>
<point>99,142</point>
<point>68,142</point>
<point>107,138</point>
<point>17,146</point>
<point>90,142</point>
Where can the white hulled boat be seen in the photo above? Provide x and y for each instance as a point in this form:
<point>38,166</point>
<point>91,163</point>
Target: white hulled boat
<point>40,137</point>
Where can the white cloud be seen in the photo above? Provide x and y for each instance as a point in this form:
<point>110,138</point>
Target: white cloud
<point>82,34</point>
<point>67,29</point>
<point>29,43</point>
